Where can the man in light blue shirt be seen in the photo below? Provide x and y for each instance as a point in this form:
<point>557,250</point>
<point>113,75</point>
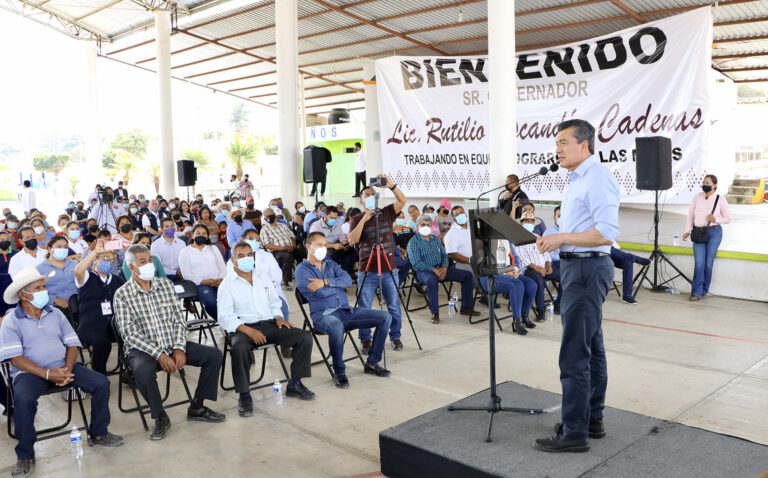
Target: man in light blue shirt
<point>236,226</point>
<point>589,225</point>
<point>249,310</point>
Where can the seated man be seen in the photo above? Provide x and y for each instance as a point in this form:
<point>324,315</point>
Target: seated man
<point>41,360</point>
<point>29,255</point>
<point>96,286</point>
<point>278,239</point>
<point>154,332</point>
<point>555,256</point>
<point>250,312</point>
<point>314,215</point>
<point>336,241</point>
<point>430,261</point>
<point>202,264</point>
<point>537,266</point>
<point>322,282</point>
<point>236,226</point>
<point>167,248</point>
<point>624,260</point>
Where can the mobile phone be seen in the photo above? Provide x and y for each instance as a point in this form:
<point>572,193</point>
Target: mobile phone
<point>112,245</point>
<point>378,182</point>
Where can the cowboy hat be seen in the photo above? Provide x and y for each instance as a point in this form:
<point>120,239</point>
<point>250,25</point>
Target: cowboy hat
<point>529,215</point>
<point>25,277</point>
<point>231,213</point>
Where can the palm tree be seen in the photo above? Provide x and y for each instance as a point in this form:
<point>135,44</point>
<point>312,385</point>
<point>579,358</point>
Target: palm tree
<point>198,156</point>
<point>154,168</point>
<point>239,119</point>
<point>127,165</point>
<point>242,151</point>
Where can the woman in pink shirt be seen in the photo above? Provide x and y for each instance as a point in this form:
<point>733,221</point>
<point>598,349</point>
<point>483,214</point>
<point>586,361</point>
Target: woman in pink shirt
<point>708,211</point>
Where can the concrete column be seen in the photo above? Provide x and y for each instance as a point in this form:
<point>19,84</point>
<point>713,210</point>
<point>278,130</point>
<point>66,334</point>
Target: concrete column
<point>501,85</point>
<point>92,174</point>
<point>287,47</point>
<point>372,143</point>
<point>163,42</point>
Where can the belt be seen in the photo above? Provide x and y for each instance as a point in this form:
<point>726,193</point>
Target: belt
<point>581,255</point>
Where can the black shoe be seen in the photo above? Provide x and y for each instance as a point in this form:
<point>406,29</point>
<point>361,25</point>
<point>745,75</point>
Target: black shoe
<point>205,414</point>
<point>484,300</point>
<point>596,429</point>
<point>560,443</point>
<point>300,391</point>
<point>527,322</point>
<point>518,327</point>
<point>245,406</point>
<point>110,440</point>
<point>376,370</point>
<point>341,381</point>
<point>540,316</point>
<point>160,428</point>
<point>397,345</point>
<point>629,300</point>
<point>366,346</point>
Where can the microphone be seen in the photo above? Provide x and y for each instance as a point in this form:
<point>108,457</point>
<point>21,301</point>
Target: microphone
<point>542,172</point>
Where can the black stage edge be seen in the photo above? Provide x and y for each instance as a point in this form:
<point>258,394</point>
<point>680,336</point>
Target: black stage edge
<point>450,444</point>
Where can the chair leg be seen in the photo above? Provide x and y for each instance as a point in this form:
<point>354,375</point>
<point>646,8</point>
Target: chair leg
<point>357,349</point>
<point>282,362</point>
<point>183,377</point>
<point>85,418</point>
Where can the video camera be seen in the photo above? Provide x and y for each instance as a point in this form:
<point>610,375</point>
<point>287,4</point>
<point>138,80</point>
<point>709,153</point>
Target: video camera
<point>104,195</point>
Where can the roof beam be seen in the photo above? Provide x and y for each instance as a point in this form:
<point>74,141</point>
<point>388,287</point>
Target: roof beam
<point>557,7</point>
<point>628,10</point>
<point>357,100</point>
<point>68,25</point>
<point>223,69</point>
<point>753,80</point>
<point>97,10</point>
<point>751,68</point>
<point>740,55</point>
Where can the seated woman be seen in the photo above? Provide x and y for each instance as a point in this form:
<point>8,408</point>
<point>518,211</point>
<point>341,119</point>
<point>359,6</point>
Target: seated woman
<point>62,285</point>
<point>38,225</point>
<point>125,232</point>
<point>96,286</point>
<point>202,264</point>
<point>76,244</point>
<point>145,240</point>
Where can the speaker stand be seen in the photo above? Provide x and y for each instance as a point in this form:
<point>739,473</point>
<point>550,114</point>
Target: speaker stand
<point>658,256</point>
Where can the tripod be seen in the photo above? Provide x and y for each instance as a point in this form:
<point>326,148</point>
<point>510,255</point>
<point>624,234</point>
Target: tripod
<point>657,256</point>
<point>105,211</point>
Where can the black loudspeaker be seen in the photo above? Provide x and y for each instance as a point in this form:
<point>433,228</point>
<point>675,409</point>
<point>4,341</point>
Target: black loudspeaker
<point>187,172</point>
<point>315,160</point>
<point>653,163</point>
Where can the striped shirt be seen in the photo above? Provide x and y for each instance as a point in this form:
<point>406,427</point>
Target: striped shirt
<point>278,235</point>
<point>426,255</point>
<point>529,254</point>
<point>150,322</point>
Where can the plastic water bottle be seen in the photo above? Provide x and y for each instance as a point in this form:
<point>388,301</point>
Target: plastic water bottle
<point>452,305</point>
<point>76,441</point>
<point>672,290</point>
<point>501,254</point>
<point>550,311</point>
<point>677,239</point>
<point>277,387</point>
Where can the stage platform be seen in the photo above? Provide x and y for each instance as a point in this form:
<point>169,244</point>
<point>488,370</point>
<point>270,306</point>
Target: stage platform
<point>442,443</point>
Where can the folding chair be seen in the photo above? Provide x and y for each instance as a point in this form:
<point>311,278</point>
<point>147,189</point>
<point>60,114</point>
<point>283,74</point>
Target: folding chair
<point>202,323</point>
<point>126,371</point>
<point>421,289</point>
<point>479,292</point>
<point>315,333</point>
<point>50,432</point>
<point>74,310</point>
<point>253,384</point>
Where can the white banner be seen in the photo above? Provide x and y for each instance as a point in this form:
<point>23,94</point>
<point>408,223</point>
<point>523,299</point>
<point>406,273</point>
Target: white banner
<point>649,80</point>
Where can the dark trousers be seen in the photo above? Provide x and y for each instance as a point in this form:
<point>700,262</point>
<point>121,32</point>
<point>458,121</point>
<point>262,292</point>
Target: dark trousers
<point>100,342</point>
<point>322,188</point>
<point>541,286</point>
<point>583,367</point>
<point>336,324</point>
<point>359,182</point>
<point>403,268</point>
<point>465,278</point>
<point>208,296</point>
<point>145,369</point>
<point>27,389</point>
<point>624,261</point>
<point>555,275</point>
<point>174,278</point>
<point>299,340</point>
<point>345,258</point>
<point>285,261</point>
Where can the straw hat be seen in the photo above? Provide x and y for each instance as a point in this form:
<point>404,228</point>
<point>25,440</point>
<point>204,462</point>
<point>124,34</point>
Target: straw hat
<point>25,277</point>
<point>529,215</point>
<point>231,213</point>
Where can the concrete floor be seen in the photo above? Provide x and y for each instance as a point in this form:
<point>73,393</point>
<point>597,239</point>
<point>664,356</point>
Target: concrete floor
<point>703,364</point>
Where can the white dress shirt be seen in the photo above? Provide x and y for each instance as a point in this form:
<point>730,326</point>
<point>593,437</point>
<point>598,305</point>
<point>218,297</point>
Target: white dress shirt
<point>22,259</point>
<point>28,200</point>
<point>360,161</point>
<point>242,303</point>
<point>198,266</point>
<point>458,240</point>
<point>267,263</point>
<point>168,253</point>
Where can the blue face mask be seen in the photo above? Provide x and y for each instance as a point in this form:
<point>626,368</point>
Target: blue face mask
<point>74,235</point>
<point>60,254</point>
<point>370,202</point>
<point>245,264</point>
<point>461,219</point>
<point>331,222</point>
<point>105,267</point>
<point>39,299</point>
<point>399,222</point>
<point>322,213</point>
<point>236,203</point>
<point>71,205</point>
<point>253,243</point>
<point>528,227</point>
<point>557,222</point>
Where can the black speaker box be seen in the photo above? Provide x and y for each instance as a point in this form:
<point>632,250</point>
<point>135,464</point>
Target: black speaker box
<point>187,172</point>
<point>653,163</point>
<point>315,160</point>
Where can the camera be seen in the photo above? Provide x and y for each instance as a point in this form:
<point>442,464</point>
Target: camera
<point>104,195</point>
<point>378,182</point>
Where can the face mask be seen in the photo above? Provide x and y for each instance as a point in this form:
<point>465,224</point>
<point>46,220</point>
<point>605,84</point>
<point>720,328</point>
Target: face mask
<point>400,222</point>
<point>528,227</point>
<point>105,267</point>
<point>134,210</point>
<point>253,243</point>
<point>271,218</point>
<point>425,230</point>
<point>31,244</point>
<point>125,228</point>
<point>280,205</point>
<point>249,206</point>
<point>12,225</point>
<point>170,232</point>
<point>302,209</point>
<point>38,230</point>
<point>331,222</point>
<point>245,264</point>
<point>370,202</point>
<point>322,213</point>
<point>199,240</point>
<point>277,210</point>
<point>239,219</point>
<point>93,228</point>
<point>320,253</point>
<point>187,230</point>
<point>80,208</point>
<point>164,208</point>
<point>557,222</point>
<point>236,203</point>
<point>71,206</point>
<point>125,206</point>
<point>39,299</point>
<point>60,254</point>
<point>706,188</point>
<point>461,219</point>
<point>147,271</point>
<point>4,245</point>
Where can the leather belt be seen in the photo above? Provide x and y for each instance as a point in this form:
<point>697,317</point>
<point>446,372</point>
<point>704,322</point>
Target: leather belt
<point>581,255</point>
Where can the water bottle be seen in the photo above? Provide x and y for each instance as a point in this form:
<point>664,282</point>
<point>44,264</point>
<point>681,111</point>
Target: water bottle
<point>550,311</point>
<point>677,239</point>
<point>76,441</point>
<point>452,305</point>
<point>501,254</point>
<point>672,290</point>
<point>277,387</point>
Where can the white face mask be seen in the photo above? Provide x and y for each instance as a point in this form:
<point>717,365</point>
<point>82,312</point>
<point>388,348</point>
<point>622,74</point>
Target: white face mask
<point>425,230</point>
<point>320,253</point>
<point>39,230</point>
<point>302,209</point>
<point>147,271</point>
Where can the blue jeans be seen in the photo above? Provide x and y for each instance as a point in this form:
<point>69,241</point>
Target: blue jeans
<point>391,296</point>
<point>465,278</point>
<point>403,268</point>
<point>521,292</point>
<point>27,389</point>
<point>207,296</point>
<point>285,309</point>
<point>704,259</point>
<point>624,261</point>
<point>341,320</point>
<point>583,367</point>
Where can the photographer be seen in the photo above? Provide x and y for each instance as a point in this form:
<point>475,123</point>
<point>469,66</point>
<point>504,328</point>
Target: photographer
<point>363,229</point>
<point>105,211</point>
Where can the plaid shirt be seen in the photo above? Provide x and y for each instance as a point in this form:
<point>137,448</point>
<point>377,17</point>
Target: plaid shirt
<point>529,254</point>
<point>280,235</point>
<point>150,321</point>
<point>426,255</point>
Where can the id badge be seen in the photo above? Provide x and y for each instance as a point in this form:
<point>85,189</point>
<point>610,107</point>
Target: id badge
<point>106,308</point>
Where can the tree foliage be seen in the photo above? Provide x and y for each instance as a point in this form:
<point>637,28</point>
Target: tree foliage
<point>239,119</point>
<point>109,159</point>
<point>198,156</point>
<point>747,91</point>
<point>50,163</point>
<point>133,142</point>
<point>242,151</point>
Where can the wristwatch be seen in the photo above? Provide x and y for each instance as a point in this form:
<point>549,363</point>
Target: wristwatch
<point>393,187</point>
